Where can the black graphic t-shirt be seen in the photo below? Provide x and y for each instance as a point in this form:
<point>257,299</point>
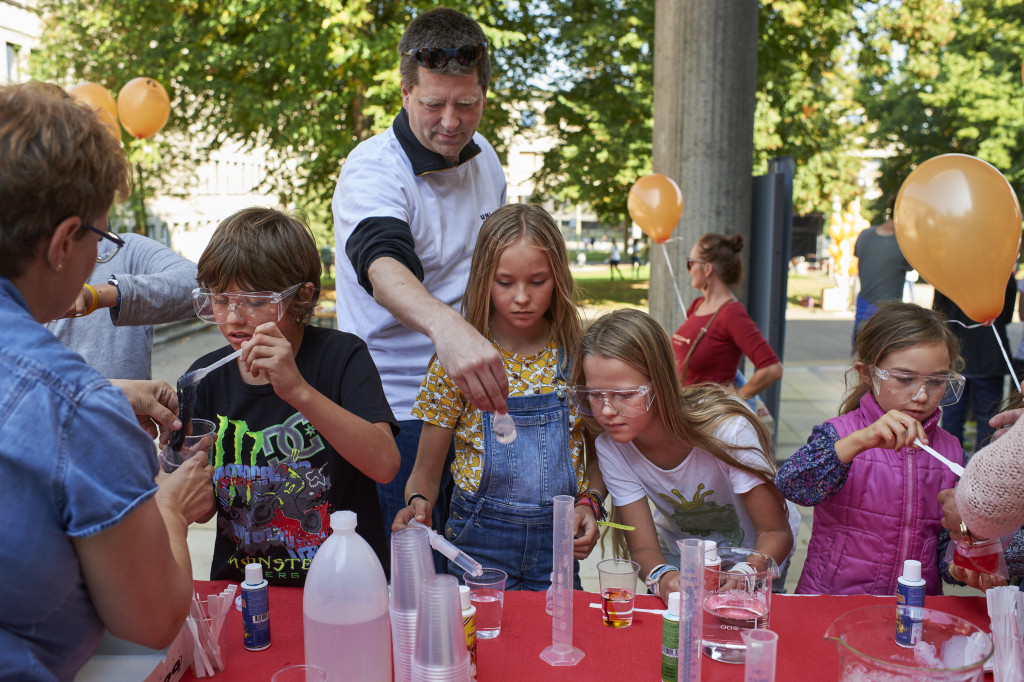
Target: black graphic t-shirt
<point>277,480</point>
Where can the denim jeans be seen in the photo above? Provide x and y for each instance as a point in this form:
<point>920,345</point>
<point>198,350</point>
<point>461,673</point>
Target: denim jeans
<point>507,523</point>
<point>392,495</point>
<point>982,395</point>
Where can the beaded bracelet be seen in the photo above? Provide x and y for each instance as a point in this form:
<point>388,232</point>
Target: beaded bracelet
<point>592,499</point>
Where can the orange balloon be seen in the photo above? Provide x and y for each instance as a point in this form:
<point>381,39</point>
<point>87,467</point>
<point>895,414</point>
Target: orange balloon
<point>101,101</point>
<point>655,203</point>
<point>958,223</point>
<point>96,96</point>
<point>109,120</point>
<point>143,107</point>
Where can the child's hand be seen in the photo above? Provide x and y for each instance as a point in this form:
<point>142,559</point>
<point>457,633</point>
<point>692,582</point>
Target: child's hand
<point>420,509</point>
<point>585,532</point>
<point>893,431</point>
<point>269,354</point>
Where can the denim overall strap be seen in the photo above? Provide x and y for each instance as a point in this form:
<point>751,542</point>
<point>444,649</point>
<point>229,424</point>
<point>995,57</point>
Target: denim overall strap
<point>523,476</point>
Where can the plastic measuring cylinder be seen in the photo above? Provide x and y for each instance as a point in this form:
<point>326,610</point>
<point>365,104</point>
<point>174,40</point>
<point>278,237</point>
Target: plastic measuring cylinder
<point>691,607</point>
<point>457,556</point>
<point>561,651</point>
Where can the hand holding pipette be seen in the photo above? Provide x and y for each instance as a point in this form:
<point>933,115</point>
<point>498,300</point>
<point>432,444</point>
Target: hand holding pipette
<point>456,555</point>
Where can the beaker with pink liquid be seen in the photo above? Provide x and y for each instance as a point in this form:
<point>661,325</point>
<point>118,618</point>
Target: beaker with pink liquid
<point>737,597</point>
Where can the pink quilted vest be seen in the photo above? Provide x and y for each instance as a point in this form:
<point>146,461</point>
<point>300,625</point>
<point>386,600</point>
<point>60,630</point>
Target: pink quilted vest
<point>886,512</point>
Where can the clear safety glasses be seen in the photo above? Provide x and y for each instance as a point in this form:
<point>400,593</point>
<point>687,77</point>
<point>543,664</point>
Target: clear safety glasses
<point>254,307</point>
<point>626,402</point>
<point>908,386</point>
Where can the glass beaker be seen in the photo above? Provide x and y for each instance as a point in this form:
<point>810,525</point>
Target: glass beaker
<point>737,596</point>
<point>951,649</point>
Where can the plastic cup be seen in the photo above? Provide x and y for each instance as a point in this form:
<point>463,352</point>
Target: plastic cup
<point>487,594</point>
<point>199,430</point>
<point>440,652</point>
<point>761,646</point>
<point>300,673</point>
<point>411,562</point>
<point>618,591</point>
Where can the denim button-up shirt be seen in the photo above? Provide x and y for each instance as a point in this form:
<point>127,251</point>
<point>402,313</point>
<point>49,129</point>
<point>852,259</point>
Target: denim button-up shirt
<point>73,463</point>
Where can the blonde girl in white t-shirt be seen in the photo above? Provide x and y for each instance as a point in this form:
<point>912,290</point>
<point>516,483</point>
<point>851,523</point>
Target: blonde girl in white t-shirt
<point>698,453</point>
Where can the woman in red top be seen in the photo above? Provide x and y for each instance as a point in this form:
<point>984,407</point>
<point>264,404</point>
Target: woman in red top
<point>718,329</point>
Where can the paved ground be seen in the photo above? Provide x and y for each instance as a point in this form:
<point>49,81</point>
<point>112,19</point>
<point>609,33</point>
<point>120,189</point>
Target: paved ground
<point>817,355</point>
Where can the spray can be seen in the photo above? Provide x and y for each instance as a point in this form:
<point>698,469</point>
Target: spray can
<point>714,562</point>
<point>469,627</point>
<point>909,601</point>
<point>670,640</point>
<point>255,609</point>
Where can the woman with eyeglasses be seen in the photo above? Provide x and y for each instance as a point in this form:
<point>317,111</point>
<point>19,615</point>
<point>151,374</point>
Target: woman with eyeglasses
<point>696,455</point>
<point>718,330</point>
<point>873,489</point>
<point>94,538</point>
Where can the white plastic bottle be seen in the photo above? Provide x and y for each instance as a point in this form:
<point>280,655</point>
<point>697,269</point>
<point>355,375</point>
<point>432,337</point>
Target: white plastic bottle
<point>345,607</point>
<point>714,562</point>
<point>670,640</point>
<point>909,593</point>
<point>469,627</point>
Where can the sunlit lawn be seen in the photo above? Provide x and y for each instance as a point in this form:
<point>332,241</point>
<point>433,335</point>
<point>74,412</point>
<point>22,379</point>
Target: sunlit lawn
<point>601,294</point>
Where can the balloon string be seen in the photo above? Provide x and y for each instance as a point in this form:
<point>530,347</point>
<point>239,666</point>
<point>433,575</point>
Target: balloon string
<point>1006,358</point>
<point>675,284</point>
<point>1013,374</point>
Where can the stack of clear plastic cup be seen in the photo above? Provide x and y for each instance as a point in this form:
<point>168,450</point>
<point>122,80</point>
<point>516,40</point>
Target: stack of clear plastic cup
<point>440,654</point>
<point>411,562</point>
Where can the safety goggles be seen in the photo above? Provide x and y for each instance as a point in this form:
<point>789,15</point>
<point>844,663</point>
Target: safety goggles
<point>908,386</point>
<point>109,247</point>
<point>625,402</point>
<point>254,307</point>
<point>437,57</point>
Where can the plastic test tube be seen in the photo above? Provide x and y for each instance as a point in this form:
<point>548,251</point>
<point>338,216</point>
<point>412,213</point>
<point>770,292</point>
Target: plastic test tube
<point>457,556</point>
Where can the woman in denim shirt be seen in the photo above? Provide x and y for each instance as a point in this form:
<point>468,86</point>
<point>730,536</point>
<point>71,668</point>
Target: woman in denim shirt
<point>91,541</point>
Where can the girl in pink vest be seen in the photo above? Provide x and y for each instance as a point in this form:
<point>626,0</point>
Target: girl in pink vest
<point>874,491</point>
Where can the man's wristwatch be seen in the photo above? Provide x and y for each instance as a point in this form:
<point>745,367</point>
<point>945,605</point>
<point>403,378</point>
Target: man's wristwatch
<point>112,281</point>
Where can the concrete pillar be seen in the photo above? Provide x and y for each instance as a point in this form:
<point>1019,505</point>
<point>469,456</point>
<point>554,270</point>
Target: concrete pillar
<point>705,77</point>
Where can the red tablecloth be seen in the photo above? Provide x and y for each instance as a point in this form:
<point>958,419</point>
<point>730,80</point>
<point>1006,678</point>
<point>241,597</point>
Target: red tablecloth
<point>632,653</point>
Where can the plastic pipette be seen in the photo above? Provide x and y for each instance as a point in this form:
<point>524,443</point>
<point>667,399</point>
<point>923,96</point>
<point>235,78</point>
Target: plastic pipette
<point>561,651</point>
<point>457,556</point>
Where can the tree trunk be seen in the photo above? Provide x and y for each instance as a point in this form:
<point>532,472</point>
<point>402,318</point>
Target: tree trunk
<point>705,77</point>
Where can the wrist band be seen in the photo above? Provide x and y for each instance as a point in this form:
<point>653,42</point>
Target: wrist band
<point>653,580</point>
<point>414,496</point>
<point>95,301</point>
<point>593,499</point>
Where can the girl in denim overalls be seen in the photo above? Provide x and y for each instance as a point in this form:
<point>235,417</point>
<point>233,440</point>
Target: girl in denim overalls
<point>521,295</point>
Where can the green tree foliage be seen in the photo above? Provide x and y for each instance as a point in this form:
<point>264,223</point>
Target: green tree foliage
<point>309,80</point>
<point>602,101</point>
<point>943,77</point>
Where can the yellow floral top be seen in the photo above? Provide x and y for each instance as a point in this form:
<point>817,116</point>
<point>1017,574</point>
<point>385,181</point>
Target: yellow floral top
<point>441,402</point>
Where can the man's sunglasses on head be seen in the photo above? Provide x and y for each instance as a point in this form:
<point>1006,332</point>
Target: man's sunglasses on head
<point>437,57</point>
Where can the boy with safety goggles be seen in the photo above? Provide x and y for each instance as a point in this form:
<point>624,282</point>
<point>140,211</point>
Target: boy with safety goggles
<point>303,426</point>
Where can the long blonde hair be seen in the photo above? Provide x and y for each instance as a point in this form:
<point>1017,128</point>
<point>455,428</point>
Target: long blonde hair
<point>506,227</point>
<point>894,327</point>
<point>691,414</point>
